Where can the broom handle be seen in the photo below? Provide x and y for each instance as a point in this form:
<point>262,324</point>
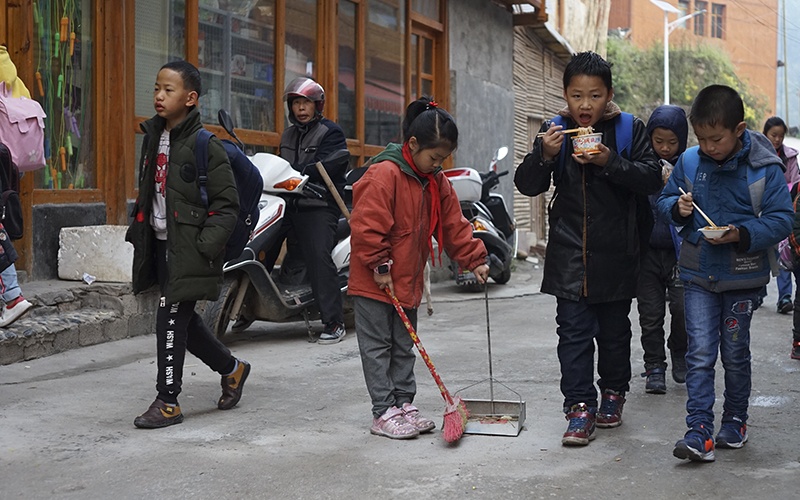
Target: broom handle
<point>420,348</point>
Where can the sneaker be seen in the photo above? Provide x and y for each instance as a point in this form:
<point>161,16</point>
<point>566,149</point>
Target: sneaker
<point>160,414</point>
<point>785,305</point>
<point>656,382</point>
<point>796,349</point>
<point>412,416</point>
<point>232,385</point>
<point>679,366</point>
<point>13,310</point>
<point>610,412</point>
<point>733,434</point>
<point>393,425</point>
<point>580,429</point>
<point>696,445</point>
<point>333,333</point>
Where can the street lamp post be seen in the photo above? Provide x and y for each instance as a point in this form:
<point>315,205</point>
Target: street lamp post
<point>669,27</point>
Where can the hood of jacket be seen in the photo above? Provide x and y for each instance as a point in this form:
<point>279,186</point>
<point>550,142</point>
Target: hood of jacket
<point>672,118</point>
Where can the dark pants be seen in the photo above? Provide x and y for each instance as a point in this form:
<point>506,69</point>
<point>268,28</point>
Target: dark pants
<point>580,325</point>
<point>178,328</point>
<point>312,234</point>
<point>796,311</point>
<point>387,354</point>
<point>657,274</point>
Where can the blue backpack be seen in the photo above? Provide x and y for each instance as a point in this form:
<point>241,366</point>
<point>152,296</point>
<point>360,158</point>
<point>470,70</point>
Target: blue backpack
<point>248,184</point>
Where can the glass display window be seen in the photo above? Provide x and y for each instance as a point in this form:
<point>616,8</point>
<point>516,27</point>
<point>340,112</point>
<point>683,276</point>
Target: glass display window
<point>62,53</point>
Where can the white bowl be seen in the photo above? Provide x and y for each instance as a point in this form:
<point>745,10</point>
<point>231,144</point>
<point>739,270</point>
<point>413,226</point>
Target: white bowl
<point>713,233</point>
<point>587,143</point>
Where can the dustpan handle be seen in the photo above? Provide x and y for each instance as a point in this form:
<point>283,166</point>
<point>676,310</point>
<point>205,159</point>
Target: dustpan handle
<point>489,342</point>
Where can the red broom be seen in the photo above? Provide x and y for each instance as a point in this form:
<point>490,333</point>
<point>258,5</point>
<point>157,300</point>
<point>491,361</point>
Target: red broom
<point>455,412</point>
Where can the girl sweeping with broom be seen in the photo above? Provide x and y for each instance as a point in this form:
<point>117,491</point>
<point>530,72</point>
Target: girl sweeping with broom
<point>402,201</point>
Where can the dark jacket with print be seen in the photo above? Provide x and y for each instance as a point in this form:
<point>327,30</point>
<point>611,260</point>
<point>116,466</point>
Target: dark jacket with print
<point>196,235</point>
<point>593,244</point>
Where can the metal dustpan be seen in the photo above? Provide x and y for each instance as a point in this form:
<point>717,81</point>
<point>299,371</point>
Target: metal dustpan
<point>492,416</point>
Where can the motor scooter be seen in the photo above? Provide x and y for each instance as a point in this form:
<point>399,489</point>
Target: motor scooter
<point>251,291</point>
<point>490,219</point>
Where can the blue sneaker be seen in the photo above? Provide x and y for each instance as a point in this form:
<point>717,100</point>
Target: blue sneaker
<point>733,434</point>
<point>696,445</point>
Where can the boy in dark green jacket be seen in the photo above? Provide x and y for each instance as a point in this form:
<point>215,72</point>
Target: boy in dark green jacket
<point>179,243</point>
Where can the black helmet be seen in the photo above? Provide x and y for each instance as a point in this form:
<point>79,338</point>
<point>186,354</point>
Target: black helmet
<point>308,88</point>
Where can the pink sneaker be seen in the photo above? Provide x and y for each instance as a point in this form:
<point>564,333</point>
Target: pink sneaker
<point>393,424</point>
<point>412,416</point>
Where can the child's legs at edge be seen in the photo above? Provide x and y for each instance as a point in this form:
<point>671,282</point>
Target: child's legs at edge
<point>737,314</point>
<point>703,319</point>
<point>577,327</point>
<point>386,353</point>
<point>677,330</point>
<point>652,304</point>
<point>614,345</point>
<point>207,347</point>
<point>9,285</point>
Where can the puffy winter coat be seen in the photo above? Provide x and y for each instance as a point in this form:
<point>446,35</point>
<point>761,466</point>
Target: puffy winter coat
<point>723,193</point>
<point>593,245</point>
<point>196,235</point>
<point>391,221</point>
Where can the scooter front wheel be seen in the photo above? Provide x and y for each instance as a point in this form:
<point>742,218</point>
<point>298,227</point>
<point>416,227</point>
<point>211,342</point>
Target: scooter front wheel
<point>217,314</point>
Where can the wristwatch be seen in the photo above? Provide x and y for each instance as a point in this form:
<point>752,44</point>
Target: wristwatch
<point>384,268</point>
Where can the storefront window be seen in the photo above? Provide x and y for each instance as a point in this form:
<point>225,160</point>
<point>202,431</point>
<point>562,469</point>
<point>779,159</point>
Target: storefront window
<point>235,56</point>
<point>347,68</point>
<point>384,89</point>
<point>62,52</point>
<point>301,39</point>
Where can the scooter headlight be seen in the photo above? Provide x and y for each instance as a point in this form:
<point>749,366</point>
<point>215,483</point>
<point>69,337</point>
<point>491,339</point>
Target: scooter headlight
<point>289,184</point>
<point>478,225</point>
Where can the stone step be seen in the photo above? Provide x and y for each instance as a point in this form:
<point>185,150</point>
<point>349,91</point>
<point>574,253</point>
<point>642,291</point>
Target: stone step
<point>69,314</point>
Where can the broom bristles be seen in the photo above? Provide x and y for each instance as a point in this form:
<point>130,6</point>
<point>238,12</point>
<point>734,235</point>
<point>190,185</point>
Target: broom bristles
<point>455,420</point>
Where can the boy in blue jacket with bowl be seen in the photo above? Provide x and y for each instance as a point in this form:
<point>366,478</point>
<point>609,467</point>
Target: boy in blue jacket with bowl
<point>735,179</point>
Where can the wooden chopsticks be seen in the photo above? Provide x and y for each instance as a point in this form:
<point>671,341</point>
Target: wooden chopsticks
<point>710,222</point>
<point>568,131</point>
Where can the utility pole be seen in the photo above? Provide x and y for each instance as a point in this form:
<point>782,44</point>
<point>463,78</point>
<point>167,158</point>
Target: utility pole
<point>785,66</point>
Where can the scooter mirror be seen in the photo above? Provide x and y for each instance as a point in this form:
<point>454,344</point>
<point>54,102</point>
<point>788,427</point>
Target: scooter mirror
<point>501,153</point>
<point>225,120</point>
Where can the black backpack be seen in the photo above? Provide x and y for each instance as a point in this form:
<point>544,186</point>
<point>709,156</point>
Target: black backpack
<point>248,183</point>
<point>10,205</point>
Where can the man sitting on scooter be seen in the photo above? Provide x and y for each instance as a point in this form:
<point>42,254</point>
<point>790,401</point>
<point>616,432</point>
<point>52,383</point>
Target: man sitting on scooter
<point>311,231</point>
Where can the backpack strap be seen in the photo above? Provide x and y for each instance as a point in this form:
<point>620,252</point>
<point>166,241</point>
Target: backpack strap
<point>201,161</point>
<point>623,130</point>
<point>562,156</point>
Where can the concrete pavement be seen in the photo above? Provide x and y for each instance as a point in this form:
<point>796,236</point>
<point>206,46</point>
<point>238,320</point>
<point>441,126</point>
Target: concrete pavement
<point>302,427</point>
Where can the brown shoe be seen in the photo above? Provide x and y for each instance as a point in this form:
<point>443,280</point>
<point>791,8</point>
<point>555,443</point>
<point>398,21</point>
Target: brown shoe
<point>232,386</point>
<point>159,415</point>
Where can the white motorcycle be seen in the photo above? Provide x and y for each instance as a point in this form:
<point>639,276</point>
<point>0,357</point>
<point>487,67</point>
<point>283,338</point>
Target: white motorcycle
<point>250,290</point>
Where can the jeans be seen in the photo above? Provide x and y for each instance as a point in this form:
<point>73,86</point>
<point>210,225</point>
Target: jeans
<point>9,286</point>
<point>796,312</point>
<point>784,284</point>
<point>580,325</point>
<point>656,279</point>
<point>717,323</point>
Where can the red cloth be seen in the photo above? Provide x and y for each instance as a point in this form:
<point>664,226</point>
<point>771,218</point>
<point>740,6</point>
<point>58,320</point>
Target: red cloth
<point>436,203</point>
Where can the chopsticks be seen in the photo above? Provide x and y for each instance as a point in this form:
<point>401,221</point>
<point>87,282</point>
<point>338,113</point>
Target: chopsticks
<point>568,131</point>
<point>710,222</point>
